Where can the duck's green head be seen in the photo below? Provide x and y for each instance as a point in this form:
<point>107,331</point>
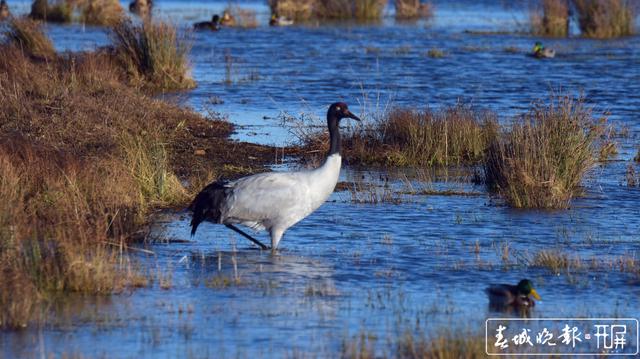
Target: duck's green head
<point>525,287</point>
<point>538,47</point>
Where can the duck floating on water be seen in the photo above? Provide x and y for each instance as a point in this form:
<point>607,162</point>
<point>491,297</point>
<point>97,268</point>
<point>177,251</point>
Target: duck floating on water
<point>273,201</point>
<point>504,297</point>
<point>4,10</point>
<point>213,25</point>
<point>541,52</point>
<point>141,8</point>
<point>280,21</point>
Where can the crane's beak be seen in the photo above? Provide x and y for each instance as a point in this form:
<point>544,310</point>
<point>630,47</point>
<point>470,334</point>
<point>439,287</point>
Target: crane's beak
<point>535,294</point>
<point>351,115</point>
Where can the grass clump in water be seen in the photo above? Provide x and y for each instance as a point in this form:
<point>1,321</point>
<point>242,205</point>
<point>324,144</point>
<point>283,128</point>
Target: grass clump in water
<point>153,54</point>
<point>451,136</point>
<point>435,53</point>
<point>554,20</point>
<point>412,9</point>
<point>605,18</point>
<point>101,12</point>
<point>60,11</point>
<point>306,10</point>
<point>541,161</point>
<point>27,35</point>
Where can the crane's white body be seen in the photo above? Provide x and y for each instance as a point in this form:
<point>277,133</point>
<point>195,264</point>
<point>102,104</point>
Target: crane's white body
<point>276,201</point>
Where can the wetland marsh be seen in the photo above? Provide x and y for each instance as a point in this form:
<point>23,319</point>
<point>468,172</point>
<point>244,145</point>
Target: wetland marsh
<point>396,251</point>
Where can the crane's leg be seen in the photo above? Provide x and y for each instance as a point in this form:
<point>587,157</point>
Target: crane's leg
<point>276,236</point>
<point>242,233</point>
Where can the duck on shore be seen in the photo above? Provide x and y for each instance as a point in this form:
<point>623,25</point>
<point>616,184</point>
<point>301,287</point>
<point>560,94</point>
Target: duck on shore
<point>504,297</point>
<point>213,25</point>
<point>541,52</point>
<point>280,20</point>
<point>4,10</point>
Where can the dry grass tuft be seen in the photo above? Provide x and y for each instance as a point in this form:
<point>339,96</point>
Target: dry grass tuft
<point>413,9</point>
<point>101,12</point>
<point>83,158</point>
<point>153,54</point>
<point>541,161</point>
<point>27,35</point>
<point>554,20</point>
<point>451,136</point>
<point>606,18</point>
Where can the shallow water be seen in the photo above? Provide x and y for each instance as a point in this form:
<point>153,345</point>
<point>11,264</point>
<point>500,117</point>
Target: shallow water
<point>375,268</point>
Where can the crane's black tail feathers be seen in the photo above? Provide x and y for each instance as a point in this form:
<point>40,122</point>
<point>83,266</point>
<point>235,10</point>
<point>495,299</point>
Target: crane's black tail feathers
<point>207,204</point>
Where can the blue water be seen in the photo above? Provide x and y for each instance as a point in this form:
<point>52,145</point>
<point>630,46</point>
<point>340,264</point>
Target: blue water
<point>375,268</point>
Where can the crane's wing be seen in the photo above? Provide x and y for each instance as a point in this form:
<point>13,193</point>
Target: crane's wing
<point>267,197</point>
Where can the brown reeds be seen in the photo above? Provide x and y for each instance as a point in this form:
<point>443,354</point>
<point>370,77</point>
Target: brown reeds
<point>412,9</point>
<point>83,158</point>
<point>27,35</point>
<point>305,10</point>
<point>606,18</point>
<point>540,162</point>
<point>153,54</point>
<point>451,136</point>
<point>101,12</point>
<point>554,20</point>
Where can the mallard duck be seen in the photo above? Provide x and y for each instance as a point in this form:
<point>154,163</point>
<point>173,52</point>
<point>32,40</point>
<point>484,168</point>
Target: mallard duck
<point>506,296</point>
<point>4,10</point>
<point>213,25</point>
<point>280,21</point>
<point>227,19</point>
<point>541,52</point>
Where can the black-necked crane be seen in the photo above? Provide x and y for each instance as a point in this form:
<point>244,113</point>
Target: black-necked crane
<point>273,201</point>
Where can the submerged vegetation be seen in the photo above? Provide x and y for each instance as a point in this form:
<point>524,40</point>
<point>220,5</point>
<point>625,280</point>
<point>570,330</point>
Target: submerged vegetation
<point>541,161</point>
<point>154,54</point>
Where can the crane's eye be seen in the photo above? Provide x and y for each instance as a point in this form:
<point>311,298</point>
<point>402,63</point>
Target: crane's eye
<point>337,108</point>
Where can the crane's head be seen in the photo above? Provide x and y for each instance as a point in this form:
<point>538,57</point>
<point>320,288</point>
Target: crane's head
<point>338,111</point>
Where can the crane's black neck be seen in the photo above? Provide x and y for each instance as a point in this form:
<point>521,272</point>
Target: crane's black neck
<point>334,134</point>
